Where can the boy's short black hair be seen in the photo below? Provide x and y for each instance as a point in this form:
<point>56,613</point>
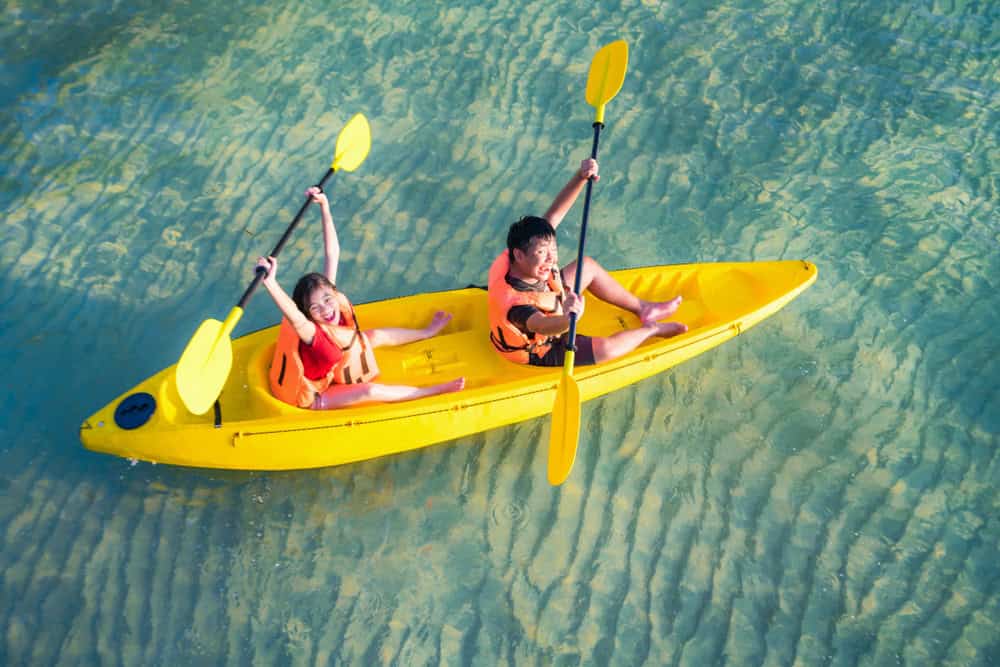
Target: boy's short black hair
<point>524,231</point>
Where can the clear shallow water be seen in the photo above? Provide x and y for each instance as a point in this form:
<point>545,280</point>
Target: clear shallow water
<point>822,490</point>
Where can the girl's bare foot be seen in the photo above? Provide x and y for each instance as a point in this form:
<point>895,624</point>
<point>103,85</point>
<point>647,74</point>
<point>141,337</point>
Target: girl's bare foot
<point>438,322</point>
<point>654,311</point>
<point>668,329</point>
<point>447,387</point>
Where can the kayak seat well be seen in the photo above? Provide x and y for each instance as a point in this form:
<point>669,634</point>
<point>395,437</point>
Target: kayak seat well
<point>466,353</point>
<point>262,401</point>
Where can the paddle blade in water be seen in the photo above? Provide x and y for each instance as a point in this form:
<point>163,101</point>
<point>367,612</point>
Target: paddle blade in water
<point>204,366</point>
<point>353,144</point>
<point>606,75</point>
<point>565,428</point>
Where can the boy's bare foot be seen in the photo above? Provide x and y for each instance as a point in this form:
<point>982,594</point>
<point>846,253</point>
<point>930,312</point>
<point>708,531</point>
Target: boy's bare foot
<point>438,322</point>
<point>668,329</point>
<point>654,311</point>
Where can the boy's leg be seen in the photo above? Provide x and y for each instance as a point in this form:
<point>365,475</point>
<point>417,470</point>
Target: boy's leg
<point>600,283</point>
<point>595,350</point>
<point>611,347</point>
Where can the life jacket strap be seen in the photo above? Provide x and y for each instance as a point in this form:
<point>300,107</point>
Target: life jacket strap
<point>500,343</point>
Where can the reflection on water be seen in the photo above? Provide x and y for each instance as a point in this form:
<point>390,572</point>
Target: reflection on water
<point>819,491</point>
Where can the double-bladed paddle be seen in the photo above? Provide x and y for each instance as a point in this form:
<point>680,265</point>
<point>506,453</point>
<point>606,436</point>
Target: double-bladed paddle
<point>204,366</point>
<point>607,73</point>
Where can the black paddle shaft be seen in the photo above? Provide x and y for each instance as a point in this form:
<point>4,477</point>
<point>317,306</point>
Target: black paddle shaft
<point>571,342</point>
<point>261,272</point>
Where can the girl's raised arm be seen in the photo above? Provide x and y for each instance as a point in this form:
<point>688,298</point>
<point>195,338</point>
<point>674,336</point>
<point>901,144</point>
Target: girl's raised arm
<point>303,326</point>
<point>331,244</point>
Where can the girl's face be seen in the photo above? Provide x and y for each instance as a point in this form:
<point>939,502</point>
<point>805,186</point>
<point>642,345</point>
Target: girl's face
<point>323,306</point>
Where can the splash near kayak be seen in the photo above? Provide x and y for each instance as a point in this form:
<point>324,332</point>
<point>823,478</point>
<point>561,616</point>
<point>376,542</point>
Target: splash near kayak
<point>249,429</point>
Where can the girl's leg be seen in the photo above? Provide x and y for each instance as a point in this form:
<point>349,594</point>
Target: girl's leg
<point>344,395</point>
<point>623,342</point>
<point>604,287</point>
<point>400,336</point>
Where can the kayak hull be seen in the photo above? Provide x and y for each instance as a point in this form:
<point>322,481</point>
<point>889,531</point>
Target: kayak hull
<point>251,430</point>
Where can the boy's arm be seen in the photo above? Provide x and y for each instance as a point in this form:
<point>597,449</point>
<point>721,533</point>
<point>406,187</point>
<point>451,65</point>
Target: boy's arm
<point>553,325</point>
<point>567,196</point>
<point>548,325</point>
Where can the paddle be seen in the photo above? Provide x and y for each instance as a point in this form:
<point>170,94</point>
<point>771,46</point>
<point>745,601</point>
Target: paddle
<point>204,366</point>
<point>604,80</point>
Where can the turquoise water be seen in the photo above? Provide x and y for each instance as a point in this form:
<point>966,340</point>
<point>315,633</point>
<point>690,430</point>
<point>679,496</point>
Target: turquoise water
<point>821,491</point>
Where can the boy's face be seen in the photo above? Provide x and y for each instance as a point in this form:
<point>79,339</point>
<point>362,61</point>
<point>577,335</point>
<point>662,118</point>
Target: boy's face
<point>538,260</point>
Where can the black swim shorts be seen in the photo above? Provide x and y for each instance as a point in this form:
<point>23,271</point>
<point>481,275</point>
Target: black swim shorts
<point>556,356</point>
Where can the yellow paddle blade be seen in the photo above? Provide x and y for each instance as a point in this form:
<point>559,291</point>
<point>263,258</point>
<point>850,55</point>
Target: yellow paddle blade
<point>565,426</point>
<point>606,76</point>
<point>204,366</point>
<point>353,144</point>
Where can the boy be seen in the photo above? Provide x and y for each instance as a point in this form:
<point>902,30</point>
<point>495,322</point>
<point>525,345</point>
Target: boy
<point>530,299</point>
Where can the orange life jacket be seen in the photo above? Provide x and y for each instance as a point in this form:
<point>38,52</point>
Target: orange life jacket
<point>507,338</point>
<point>287,375</point>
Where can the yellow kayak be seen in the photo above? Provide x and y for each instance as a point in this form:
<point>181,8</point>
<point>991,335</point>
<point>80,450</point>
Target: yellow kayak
<point>251,430</point>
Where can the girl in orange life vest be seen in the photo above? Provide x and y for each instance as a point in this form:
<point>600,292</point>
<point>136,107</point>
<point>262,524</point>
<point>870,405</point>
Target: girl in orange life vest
<point>531,299</point>
<point>335,354</point>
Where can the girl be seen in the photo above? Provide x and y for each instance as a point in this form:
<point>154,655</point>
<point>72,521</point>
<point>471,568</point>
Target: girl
<point>323,360</point>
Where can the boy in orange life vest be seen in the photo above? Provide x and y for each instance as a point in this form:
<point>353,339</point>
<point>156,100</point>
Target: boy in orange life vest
<point>332,364</point>
<point>531,299</point>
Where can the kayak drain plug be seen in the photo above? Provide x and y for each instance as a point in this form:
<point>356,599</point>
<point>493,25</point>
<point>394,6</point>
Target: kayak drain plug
<point>135,410</point>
